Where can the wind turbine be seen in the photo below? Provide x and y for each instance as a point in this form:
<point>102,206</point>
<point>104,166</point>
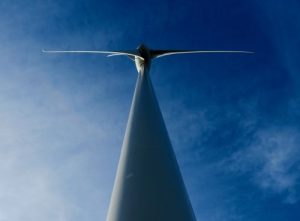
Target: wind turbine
<point>148,184</point>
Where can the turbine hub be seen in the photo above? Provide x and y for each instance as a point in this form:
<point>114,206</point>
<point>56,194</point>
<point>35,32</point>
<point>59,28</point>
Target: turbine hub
<point>143,65</point>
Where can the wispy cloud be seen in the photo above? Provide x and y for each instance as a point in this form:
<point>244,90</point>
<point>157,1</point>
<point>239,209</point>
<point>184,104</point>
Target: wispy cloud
<point>61,129</point>
<point>273,161</point>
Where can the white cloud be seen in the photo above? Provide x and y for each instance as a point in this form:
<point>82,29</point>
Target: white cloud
<point>274,162</point>
<point>56,146</point>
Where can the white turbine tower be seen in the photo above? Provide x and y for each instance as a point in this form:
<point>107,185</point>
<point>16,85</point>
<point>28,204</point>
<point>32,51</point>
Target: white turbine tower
<point>148,184</point>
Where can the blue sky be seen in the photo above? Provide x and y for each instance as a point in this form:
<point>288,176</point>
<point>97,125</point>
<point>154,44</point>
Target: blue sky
<point>233,119</point>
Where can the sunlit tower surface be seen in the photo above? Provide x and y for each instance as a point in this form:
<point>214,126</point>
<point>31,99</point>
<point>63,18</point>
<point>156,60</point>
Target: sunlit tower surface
<point>148,184</point>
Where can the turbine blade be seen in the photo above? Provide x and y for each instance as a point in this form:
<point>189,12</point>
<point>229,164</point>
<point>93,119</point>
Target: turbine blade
<point>131,57</point>
<point>162,53</point>
<point>109,53</point>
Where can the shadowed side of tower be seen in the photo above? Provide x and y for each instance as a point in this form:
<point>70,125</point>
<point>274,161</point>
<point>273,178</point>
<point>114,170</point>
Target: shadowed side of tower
<point>148,185</point>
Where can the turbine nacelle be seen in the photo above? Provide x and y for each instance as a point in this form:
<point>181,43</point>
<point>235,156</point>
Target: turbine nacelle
<point>144,52</point>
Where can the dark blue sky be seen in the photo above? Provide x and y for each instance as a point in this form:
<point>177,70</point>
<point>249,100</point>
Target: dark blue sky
<point>233,119</point>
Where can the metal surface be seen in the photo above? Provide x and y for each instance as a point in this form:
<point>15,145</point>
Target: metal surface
<point>148,185</point>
